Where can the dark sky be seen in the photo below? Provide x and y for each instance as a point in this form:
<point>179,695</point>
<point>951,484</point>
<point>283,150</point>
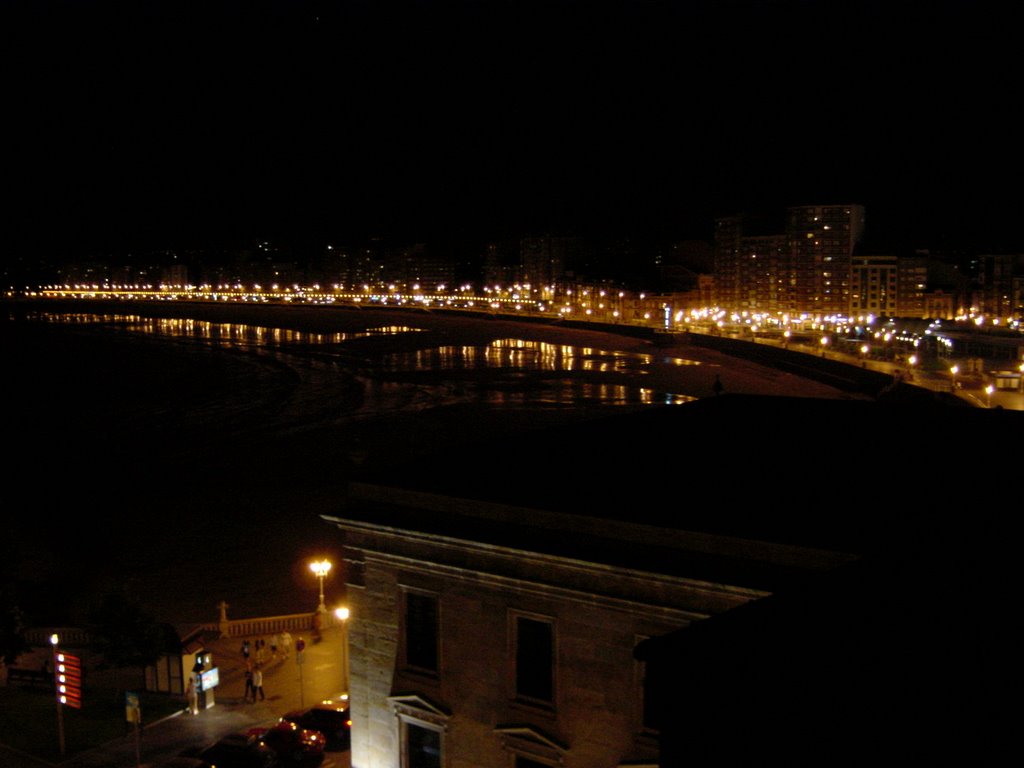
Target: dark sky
<point>167,123</point>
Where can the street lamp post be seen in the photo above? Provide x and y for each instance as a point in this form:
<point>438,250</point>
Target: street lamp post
<point>953,371</point>
<point>321,568</point>
<point>54,641</point>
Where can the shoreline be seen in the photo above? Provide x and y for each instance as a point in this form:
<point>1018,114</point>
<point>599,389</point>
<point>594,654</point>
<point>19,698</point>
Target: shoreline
<point>189,516</point>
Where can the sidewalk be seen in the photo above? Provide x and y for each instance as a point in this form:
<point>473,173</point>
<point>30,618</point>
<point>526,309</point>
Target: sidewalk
<point>288,685</point>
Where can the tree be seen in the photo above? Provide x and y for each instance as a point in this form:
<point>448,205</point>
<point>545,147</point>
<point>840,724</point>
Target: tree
<point>12,630</point>
<point>126,635</point>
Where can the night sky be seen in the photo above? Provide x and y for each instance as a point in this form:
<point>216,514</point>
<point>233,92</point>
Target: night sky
<point>165,124</point>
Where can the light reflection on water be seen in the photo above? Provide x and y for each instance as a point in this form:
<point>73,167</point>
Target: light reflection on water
<point>226,333</point>
<point>519,354</point>
<point>517,372</point>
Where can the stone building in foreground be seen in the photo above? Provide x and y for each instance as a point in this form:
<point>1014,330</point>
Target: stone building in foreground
<point>499,595</point>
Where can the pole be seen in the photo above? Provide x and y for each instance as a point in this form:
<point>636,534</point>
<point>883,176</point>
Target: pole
<point>60,707</point>
<point>60,727</point>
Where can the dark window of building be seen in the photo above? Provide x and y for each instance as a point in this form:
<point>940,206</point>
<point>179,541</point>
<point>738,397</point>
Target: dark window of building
<point>421,627</point>
<point>422,747</point>
<point>535,647</point>
<point>647,704</point>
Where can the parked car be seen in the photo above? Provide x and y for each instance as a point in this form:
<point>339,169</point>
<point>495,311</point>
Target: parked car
<point>183,761</point>
<point>240,750</point>
<point>331,717</point>
<point>293,744</point>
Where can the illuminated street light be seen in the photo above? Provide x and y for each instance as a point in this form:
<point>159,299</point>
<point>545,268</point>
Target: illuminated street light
<point>55,641</point>
<point>321,568</point>
<point>988,394</point>
<point>953,371</point>
<point>824,344</point>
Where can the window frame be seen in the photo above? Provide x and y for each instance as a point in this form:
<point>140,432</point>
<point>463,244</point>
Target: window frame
<point>643,727</point>
<point>406,627</point>
<point>514,667</point>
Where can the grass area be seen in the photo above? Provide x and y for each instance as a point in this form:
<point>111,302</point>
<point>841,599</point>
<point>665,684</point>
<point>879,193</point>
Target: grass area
<point>29,719</point>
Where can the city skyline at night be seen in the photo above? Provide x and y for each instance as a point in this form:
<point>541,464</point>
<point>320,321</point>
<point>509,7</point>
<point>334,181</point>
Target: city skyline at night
<point>738,351</point>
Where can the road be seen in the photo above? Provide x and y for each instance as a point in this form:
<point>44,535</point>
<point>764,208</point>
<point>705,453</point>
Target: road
<point>288,686</point>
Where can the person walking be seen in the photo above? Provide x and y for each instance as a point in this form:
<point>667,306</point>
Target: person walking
<point>192,692</point>
<point>286,643</point>
<point>257,684</point>
<point>249,688</point>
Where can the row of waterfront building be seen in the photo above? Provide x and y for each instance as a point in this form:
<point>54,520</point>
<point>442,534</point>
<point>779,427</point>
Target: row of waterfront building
<point>813,262</point>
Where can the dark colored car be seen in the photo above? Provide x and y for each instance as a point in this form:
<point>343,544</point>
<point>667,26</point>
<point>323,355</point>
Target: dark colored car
<point>331,718</point>
<point>293,744</point>
<point>184,762</point>
<point>240,750</point>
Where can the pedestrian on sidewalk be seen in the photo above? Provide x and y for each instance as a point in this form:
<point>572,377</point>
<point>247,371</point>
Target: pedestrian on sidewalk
<point>286,643</point>
<point>257,684</point>
<point>273,647</point>
<point>192,692</point>
<point>249,687</point>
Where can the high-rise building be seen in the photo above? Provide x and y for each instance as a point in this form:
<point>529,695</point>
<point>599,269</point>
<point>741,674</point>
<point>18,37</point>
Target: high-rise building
<point>820,244</point>
<point>803,266</point>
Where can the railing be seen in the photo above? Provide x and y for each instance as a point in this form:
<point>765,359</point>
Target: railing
<point>270,625</point>
<point>69,637</point>
<point>73,637</point>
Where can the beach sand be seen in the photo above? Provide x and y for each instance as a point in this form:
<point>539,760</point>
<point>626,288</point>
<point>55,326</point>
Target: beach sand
<point>195,473</point>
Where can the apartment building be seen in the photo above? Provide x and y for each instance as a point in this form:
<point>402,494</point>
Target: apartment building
<point>873,286</point>
<point>804,266</point>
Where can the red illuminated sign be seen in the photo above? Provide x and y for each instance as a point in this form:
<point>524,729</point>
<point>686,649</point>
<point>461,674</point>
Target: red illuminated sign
<point>67,677</point>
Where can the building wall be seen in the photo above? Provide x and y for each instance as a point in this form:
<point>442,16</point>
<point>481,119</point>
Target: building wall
<point>597,714</point>
<point>873,286</point>
<point>599,614</point>
<point>911,285</point>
